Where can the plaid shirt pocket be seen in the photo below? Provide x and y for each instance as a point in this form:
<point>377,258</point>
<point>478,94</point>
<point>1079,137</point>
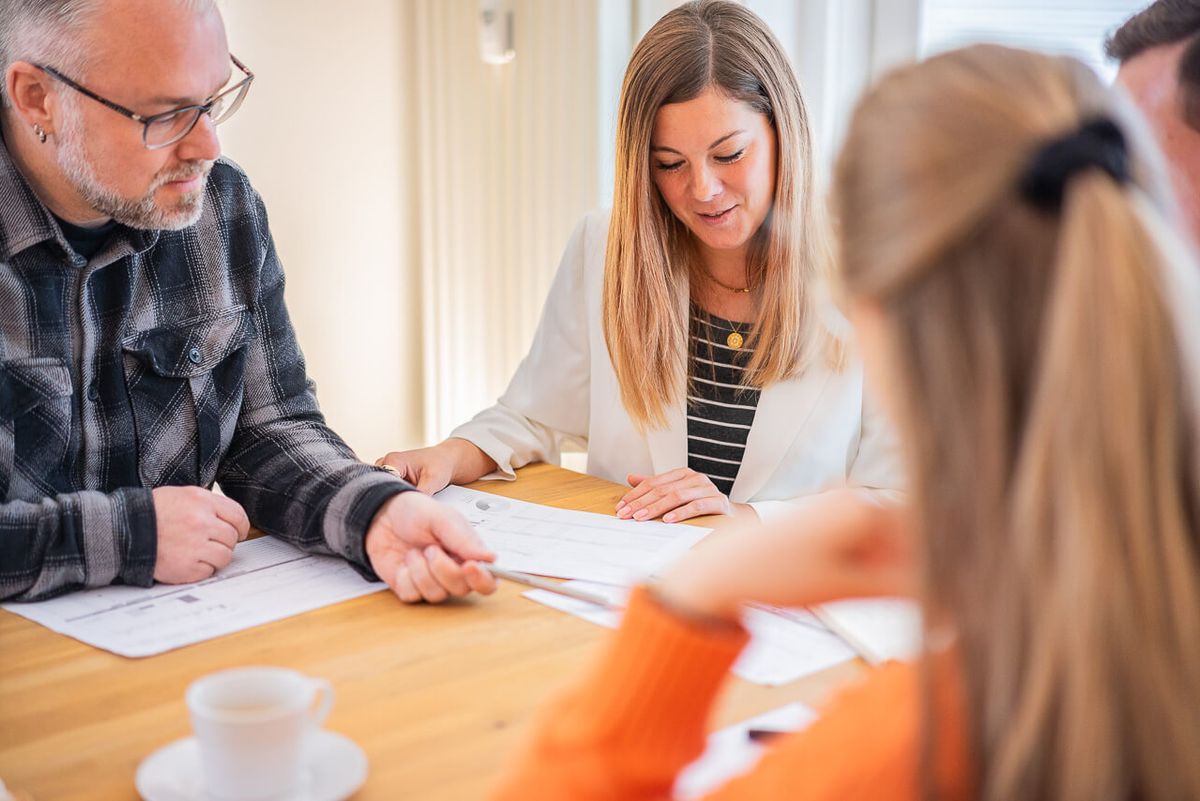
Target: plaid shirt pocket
<point>185,383</point>
<point>35,428</point>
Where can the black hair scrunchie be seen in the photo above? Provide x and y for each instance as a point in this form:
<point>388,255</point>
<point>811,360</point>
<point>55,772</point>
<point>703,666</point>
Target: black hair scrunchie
<point>1098,144</point>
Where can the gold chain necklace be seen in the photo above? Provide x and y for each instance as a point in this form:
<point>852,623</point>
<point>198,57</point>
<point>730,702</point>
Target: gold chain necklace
<point>740,290</point>
<point>734,340</point>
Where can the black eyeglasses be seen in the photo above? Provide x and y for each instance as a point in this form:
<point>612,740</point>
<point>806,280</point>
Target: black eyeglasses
<point>161,130</point>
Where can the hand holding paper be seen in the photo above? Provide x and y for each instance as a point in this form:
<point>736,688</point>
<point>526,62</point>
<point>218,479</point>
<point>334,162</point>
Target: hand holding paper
<point>426,551</point>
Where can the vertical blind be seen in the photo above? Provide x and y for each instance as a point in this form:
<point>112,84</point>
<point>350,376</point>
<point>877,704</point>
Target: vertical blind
<point>1073,27</point>
<point>503,160</point>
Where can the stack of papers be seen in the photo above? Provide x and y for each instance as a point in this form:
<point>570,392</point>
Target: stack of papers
<point>269,579</point>
<point>605,556</point>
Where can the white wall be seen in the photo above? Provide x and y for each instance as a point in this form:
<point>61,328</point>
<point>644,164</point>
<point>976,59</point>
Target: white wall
<point>324,137</point>
<point>419,198</point>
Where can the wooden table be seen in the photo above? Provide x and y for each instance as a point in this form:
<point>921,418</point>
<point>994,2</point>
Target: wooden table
<point>437,696</point>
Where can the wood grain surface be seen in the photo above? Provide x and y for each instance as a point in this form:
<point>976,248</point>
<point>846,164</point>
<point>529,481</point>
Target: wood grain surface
<point>437,696</point>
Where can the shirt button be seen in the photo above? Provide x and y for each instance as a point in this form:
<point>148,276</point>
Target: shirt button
<point>194,356</point>
<point>93,392</point>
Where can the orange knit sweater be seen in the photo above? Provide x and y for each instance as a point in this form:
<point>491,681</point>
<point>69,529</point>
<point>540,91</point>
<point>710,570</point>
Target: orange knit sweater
<point>640,716</point>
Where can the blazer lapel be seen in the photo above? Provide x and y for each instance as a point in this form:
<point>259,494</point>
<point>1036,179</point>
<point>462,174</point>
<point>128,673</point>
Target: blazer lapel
<point>784,408</point>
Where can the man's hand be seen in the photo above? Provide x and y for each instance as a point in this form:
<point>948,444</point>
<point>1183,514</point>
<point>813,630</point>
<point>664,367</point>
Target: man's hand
<point>426,551</point>
<point>197,529</point>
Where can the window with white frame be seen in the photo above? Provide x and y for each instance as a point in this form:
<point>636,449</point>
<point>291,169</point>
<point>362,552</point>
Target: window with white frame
<point>1073,27</point>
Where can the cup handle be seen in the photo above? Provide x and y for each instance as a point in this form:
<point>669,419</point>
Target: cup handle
<point>323,695</point>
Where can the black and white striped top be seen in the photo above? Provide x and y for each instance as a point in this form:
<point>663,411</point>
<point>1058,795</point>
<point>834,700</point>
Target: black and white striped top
<point>720,409</point>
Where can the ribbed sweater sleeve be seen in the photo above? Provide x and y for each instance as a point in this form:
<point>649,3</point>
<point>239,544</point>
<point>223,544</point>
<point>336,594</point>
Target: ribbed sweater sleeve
<point>640,715</point>
<point>636,719</point>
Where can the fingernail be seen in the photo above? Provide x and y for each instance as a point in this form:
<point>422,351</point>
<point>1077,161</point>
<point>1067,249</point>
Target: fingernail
<point>430,551</point>
<point>642,515</point>
<point>624,513</point>
<point>620,505</point>
<point>669,518</point>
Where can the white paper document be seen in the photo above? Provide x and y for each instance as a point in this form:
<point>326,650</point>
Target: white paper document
<point>879,628</point>
<point>784,644</point>
<point>537,539</point>
<point>730,752</point>
<point>267,580</point>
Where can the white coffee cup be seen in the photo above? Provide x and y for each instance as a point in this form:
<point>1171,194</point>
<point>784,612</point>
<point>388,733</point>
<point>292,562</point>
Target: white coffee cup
<point>251,724</point>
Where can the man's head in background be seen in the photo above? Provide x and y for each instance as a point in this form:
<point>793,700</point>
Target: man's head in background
<point>1159,52</point>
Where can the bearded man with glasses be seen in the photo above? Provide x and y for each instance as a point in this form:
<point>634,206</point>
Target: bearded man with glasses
<point>145,349</point>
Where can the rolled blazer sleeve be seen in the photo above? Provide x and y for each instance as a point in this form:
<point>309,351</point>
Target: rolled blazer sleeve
<point>548,400</point>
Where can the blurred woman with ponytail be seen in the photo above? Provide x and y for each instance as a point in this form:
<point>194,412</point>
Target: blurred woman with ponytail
<point>1030,319</point>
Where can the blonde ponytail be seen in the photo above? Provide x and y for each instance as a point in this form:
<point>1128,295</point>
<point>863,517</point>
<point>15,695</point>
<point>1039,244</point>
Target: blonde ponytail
<point>1048,414</point>
<point>1104,536</point>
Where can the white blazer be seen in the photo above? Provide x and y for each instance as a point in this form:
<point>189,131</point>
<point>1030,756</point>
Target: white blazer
<point>809,433</point>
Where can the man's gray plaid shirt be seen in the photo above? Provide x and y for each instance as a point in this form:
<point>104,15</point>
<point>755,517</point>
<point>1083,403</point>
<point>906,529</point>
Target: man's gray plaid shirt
<point>167,359</point>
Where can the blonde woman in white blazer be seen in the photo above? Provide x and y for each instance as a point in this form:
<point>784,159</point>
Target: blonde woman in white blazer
<point>687,339</point>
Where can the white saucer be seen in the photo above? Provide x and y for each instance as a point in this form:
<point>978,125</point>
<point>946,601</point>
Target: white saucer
<point>337,768</point>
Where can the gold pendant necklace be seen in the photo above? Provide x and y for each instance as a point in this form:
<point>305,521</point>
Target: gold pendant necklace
<point>735,338</point>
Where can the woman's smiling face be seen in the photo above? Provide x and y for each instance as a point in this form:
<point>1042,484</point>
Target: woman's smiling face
<point>713,161</point>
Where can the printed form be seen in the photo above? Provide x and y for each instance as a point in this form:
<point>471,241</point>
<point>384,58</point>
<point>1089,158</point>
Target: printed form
<point>270,580</point>
<point>537,539</point>
<point>267,580</point>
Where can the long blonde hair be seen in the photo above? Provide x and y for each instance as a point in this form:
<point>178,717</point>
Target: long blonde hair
<point>1047,417</point>
<point>650,253</point>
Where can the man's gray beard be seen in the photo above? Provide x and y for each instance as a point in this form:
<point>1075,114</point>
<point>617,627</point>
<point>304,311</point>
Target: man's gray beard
<point>143,213</point>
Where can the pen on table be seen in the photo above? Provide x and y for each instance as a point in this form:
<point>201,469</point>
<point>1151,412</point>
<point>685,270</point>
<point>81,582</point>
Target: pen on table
<point>540,583</point>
